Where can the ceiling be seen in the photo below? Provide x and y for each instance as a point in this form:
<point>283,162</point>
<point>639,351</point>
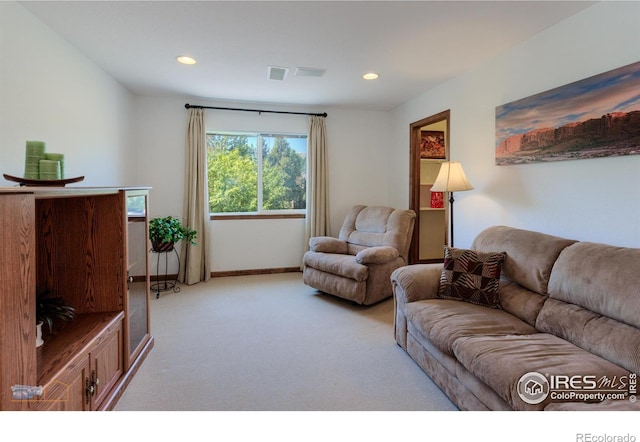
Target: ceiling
<point>413,45</point>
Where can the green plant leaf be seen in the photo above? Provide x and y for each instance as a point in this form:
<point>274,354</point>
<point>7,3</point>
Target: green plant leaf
<point>170,229</point>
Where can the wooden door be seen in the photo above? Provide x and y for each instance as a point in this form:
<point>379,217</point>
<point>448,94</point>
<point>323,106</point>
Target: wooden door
<point>106,364</point>
<point>68,392</point>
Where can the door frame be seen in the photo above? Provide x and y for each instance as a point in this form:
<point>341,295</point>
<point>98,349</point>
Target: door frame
<point>414,179</point>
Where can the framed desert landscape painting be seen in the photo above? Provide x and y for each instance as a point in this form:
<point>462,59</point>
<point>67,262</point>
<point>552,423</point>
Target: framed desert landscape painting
<point>432,144</point>
<point>591,118</point>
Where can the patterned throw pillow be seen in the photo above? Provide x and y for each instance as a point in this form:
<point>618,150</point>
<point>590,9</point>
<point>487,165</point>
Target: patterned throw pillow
<point>471,276</point>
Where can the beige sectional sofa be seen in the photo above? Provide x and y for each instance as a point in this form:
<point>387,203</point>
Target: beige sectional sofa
<point>564,334</point>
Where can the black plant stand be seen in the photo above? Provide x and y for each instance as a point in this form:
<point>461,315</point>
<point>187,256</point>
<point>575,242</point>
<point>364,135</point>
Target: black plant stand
<point>164,285</point>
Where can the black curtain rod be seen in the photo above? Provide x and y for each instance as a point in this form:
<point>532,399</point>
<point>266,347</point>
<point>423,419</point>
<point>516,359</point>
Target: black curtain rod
<point>188,106</point>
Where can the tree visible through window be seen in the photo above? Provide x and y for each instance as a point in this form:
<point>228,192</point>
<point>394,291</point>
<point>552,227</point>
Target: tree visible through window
<point>256,172</point>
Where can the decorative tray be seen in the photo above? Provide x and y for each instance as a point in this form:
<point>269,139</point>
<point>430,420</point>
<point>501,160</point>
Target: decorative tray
<point>42,183</point>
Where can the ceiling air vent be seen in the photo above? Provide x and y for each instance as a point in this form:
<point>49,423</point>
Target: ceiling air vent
<point>309,72</point>
<point>277,73</point>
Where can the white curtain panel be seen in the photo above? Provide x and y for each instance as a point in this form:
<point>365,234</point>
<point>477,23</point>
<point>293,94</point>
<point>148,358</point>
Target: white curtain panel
<point>317,221</point>
<point>194,259</point>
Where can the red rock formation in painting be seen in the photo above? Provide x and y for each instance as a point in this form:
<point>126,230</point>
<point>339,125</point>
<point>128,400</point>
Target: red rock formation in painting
<point>596,132</point>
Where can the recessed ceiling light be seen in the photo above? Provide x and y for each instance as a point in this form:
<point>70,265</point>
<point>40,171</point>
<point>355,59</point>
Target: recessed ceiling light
<point>370,76</point>
<point>184,59</point>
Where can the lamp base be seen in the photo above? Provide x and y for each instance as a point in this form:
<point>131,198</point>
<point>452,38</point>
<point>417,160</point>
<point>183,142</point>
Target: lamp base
<point>451,200</point>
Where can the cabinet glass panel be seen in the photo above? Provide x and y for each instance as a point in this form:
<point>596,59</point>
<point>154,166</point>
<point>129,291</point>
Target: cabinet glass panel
<point>137,273</point>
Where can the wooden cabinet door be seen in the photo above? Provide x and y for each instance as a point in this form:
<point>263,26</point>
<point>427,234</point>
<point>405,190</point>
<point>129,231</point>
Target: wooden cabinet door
<point>85,382</point>
<point>136,327</point>
<point>106,363</point>
<point>68,392</point>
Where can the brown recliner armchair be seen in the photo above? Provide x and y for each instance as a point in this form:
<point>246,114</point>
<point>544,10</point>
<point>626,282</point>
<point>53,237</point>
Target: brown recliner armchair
<point>373,242</point>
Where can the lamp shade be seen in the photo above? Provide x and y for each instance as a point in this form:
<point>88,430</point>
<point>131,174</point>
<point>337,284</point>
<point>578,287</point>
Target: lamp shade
<point>451,178</point>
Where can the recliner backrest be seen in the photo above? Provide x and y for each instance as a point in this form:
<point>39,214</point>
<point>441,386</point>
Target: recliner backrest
<point>370,226</point>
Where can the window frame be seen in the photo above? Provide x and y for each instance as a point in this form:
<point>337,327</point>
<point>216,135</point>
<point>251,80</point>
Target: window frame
<point>262,214</point>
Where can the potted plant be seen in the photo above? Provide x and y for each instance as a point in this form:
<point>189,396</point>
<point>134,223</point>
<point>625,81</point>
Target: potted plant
<point>165,232</point>
<point>49,308</point>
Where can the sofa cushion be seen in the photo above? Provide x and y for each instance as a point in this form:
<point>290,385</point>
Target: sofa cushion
<point>471,276</point>
<point>601,278</point>
<point>442,321</point>
<point>606,337</point>
<point>500,362</point>
<point>520,301</point>
<point>463,388</point>
<point>341,265</point>
<point>529,255</point>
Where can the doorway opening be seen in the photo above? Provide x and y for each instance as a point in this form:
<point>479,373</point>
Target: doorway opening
<point>429,147</point>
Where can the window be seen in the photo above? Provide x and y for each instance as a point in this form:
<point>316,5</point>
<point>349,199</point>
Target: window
<point>257,173</point>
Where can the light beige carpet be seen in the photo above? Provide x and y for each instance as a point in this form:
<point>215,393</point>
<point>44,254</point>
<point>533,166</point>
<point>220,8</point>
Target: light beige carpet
<point>269,342</point>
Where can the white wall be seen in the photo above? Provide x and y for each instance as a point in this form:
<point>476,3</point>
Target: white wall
<point>50,92</point>
<point>357,142</point>
<point>591,200</point>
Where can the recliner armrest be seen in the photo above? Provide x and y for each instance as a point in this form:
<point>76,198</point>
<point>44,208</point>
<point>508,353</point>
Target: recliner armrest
<point>377,255</point>
<point>328,244</point>
<point>416,282</point>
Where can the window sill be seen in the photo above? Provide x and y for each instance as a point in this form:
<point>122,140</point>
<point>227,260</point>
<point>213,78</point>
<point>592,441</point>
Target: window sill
<point>258,216</point>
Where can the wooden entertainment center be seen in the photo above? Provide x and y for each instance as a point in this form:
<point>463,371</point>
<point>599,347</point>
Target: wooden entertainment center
<point>88,246</point>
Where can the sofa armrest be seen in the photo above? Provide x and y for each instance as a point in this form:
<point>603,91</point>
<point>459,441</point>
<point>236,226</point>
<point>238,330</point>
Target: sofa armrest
<point>328,244</point>
<point>377,255</point>
<point>416,282</point>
